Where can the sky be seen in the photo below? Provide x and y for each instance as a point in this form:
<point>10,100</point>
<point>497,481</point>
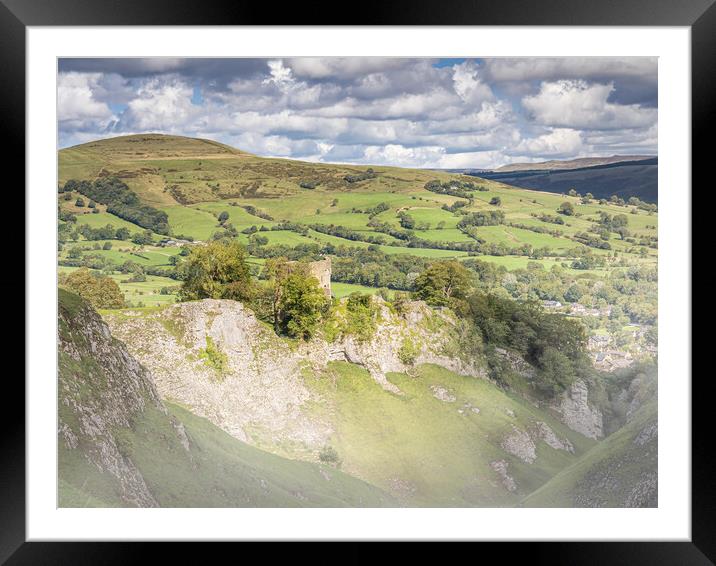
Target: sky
<point>436,113</point>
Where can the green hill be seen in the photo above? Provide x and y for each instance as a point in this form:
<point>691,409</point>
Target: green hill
<point>194,180</point>
<point>620,471</point>
<point>120,445</point>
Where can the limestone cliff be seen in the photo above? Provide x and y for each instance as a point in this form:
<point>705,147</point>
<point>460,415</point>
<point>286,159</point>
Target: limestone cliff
<point>120,445</point>
<point>258,391</point>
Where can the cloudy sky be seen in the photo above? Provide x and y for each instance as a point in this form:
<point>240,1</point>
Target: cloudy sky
<point>448,113</point>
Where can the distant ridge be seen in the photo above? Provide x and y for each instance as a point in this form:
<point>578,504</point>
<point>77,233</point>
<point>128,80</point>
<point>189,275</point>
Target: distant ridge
<point>579,163</point>
<point>635,178</point>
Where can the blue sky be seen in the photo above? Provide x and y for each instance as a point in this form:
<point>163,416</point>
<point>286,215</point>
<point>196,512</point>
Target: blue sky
<point>450,113</point>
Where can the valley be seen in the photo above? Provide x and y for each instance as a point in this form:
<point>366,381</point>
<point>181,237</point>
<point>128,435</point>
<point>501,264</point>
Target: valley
<point>484,345</point>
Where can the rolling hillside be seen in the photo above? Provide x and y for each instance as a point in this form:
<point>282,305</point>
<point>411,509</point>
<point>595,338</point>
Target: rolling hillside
<point>193,181</point>
<point>564,164</point>
<point>638,178</point>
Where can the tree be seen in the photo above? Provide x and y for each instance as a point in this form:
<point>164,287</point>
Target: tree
<point>277,269</point>
<point>443,282</point>
<point>301,305</point>
<point>223,216</point>
<point>217,270</point>
<point>142,238</point>
<point>107,246</point>
<point>497,201</point>
<point>101,291</point>
<point>92,204</point>
<point>80,202</point>
<point>573,193</point>
<point>557,371</point>
<point>566,208</point>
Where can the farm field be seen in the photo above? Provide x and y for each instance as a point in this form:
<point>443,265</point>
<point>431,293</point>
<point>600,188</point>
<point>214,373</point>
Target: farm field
<point>195,181</point>
<point>148,292</point>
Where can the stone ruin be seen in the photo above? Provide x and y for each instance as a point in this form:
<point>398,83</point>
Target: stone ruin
<point>321,270</point>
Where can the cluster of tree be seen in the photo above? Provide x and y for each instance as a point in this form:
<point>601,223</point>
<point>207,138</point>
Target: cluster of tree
<point>455,188</point>
<point>491,218</point>
<point>296,302</point>
<point>591,241</point>
<point>377,209</point>
<point>566,208</point>
<point>348,234</point>
<point>65,216</point>
<point>288,296</point>
<point>538,229</point>
<point>588,261</point>
<point>456,207</point>
<point>252,210</point>
<point>617,223</point>
<point>549,218</point>
<point>107,232</point>
<point>363,176</point>
<point>555,345</point>
<point>409,223</point>
<point>217,270</point>
<point>101,291</point>
<point>122,202</point>
<point>647,206</point>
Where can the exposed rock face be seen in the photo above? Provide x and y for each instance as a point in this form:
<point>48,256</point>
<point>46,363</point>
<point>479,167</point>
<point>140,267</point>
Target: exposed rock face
<point>628,477</point>
<point>520,444</point>
<point>576,412</point>
<point>523,443</point>
<point>546,433</point>
<point>442,394</point>
<point>260,396</point>
<point>500,467</point>
<point>101,389</point>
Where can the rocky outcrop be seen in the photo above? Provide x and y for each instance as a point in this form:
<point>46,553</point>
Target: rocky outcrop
<point>259,394</point>
<point>101,390</point>
<point>520,444</point>
<point>500,468</point>
<point>577,413</point>
<point>548,435</point>
<point>523,443</point>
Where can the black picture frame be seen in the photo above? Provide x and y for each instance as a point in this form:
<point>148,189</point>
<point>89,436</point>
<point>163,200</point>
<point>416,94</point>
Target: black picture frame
<point>699,15</point>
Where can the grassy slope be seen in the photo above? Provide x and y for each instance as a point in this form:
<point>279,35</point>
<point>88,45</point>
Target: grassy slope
<point>428,451</point>
<point>618,458</point>
<point>218,470</point>
<point>221,472</point>
<point>211,176</point>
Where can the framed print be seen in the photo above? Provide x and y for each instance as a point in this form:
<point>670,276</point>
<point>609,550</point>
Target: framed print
<point>413,278</point>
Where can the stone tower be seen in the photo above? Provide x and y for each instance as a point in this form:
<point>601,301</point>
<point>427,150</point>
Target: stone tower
<point>321,270</point>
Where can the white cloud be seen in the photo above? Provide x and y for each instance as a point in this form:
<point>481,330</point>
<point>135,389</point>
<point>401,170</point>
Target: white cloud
<point>558,142</point>
<point>280,75</point>
<point>578,104</point>
<point>76,101</point>
<point>468,84</point>
<point>161,105</point>
<point>380,110</point>
<point>343,67</point>
<point>551,68</point>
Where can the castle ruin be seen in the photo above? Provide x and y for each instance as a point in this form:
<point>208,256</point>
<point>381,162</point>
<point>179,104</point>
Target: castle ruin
<point>321,270</point>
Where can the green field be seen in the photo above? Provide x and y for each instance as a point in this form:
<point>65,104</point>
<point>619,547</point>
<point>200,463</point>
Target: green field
<point>147,292</point>
<point>193,181</point>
